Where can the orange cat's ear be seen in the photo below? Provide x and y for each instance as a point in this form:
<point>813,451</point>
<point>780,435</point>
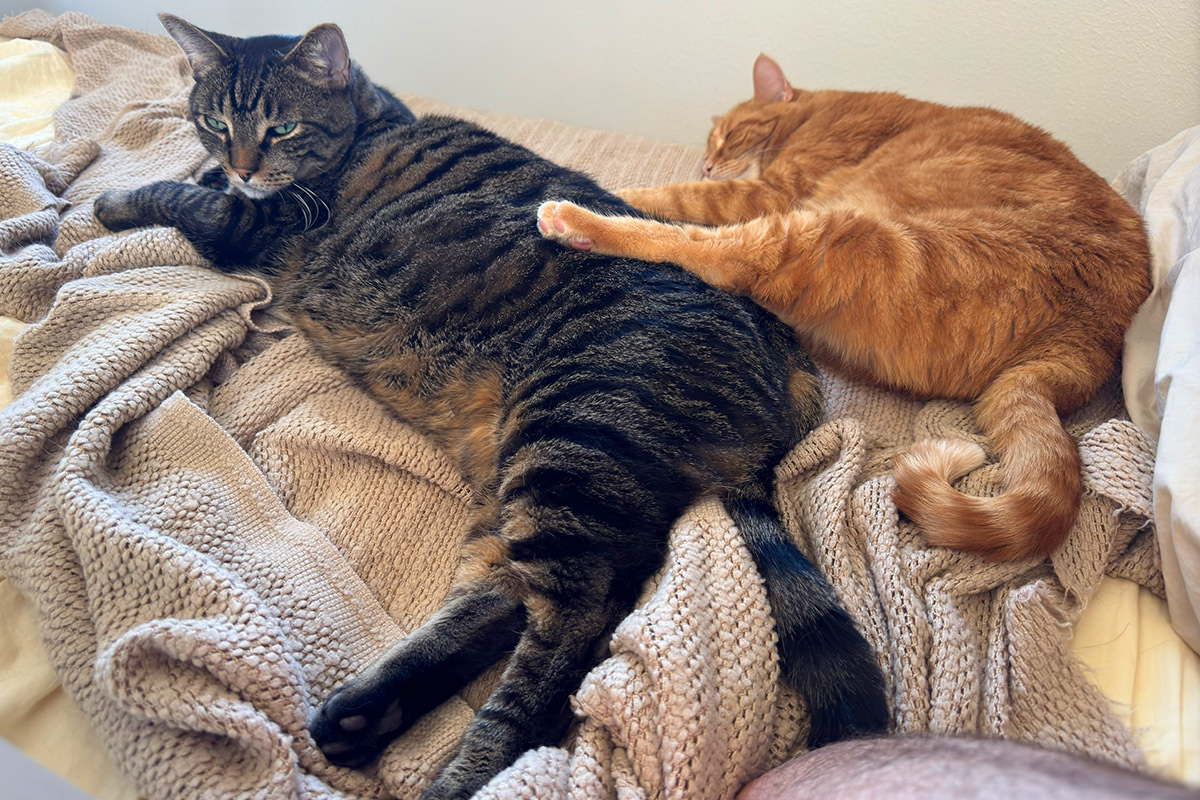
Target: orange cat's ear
<point>769,83</point>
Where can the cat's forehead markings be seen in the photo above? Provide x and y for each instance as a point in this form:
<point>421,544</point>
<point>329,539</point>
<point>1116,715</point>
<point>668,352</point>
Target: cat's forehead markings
<point>246,86</point>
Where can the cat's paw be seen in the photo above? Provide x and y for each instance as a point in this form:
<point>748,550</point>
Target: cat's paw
<point>354,725</point>
<point>560,221</point>
<point>115,209</point>
<point>214,178</point>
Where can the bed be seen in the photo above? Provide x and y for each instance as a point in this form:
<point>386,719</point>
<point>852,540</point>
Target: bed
<point>204,530</point>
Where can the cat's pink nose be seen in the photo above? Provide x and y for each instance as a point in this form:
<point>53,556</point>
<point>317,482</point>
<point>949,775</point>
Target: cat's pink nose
<point>708,167</point>
<point>244,174</point>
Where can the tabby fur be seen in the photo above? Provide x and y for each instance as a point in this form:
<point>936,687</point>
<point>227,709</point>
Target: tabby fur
<point>587,399</point>
<point>941,252</point>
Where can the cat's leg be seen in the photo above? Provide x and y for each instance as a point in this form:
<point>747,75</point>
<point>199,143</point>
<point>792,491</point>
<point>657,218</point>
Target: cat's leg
<point>818,271</point>
<point>480,621</point>
<point>531,705</point>
<point>709,202</point>
<point>228,229</point>
<point>735,258</point>
<point>466,636</point>
<point>547,587</point>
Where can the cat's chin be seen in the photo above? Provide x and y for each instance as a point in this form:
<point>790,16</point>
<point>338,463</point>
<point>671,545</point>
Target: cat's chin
<point>255,192</point>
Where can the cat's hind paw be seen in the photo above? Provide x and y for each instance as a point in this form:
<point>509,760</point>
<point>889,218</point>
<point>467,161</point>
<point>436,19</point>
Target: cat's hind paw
<point>555,222</point>
<point>353,726</point>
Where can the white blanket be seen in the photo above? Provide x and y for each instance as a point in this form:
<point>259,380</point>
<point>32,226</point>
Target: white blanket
<point>1162,362</point>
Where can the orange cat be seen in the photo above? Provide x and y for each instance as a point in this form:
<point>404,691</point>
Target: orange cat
<point>941,252</point>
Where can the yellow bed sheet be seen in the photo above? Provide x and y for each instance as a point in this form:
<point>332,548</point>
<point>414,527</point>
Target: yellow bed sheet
<point>34,78</point>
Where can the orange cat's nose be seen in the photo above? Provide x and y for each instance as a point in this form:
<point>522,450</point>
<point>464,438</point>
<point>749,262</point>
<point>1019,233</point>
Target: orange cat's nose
<point>708,168</point>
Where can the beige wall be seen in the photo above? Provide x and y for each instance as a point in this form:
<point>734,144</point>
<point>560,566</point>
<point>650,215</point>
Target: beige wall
<point>1112,78</point>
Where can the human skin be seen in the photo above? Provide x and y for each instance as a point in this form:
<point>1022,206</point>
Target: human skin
<point>926,767</point>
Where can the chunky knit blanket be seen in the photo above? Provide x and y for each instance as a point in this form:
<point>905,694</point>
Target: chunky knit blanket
<point>217,529</point>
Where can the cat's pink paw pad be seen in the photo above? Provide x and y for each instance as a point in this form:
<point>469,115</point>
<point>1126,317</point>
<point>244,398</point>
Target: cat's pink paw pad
<point>552,225</point>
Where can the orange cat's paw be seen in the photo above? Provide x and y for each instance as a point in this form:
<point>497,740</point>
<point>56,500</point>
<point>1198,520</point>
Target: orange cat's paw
<point>555,219</point>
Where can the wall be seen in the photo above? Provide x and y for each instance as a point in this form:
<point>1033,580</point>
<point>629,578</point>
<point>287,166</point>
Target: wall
<point>1112,78</point>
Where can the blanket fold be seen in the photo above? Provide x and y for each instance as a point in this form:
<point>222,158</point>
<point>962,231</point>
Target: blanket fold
<point>217,529</point>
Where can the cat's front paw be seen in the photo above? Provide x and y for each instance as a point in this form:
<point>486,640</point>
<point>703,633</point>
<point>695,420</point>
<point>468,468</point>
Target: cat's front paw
<point>214,178</point>
<point>559,221</point>
<point>354,725</point>
<point>115,209</point>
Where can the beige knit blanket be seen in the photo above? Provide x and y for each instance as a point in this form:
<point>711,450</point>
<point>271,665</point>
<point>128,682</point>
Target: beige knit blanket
<point>217,529</point>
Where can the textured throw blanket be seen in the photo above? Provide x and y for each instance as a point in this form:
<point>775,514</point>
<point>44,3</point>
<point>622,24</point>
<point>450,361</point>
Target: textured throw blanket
<point>217,529</point>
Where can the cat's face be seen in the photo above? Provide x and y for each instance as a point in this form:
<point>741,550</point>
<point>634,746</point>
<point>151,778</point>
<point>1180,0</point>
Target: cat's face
<point>273,110</point>
<point>738,143</point>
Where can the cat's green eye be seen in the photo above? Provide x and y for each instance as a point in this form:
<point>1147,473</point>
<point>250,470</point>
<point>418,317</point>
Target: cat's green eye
<point>284,129</point>
<point>214,124</point>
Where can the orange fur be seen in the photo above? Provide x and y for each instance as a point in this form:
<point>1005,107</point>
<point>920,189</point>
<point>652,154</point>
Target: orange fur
<point>941,252</point>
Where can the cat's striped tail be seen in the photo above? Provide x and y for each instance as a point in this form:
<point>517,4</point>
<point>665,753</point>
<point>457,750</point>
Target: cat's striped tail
<point>1039,459</point>
<point>821,651</point>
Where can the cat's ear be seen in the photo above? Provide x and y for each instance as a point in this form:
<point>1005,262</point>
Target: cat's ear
<point>322,54</point>
<point>769,83</point>
<point>199,46</point>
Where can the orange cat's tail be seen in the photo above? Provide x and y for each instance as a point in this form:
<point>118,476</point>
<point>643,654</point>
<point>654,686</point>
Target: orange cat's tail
<point>1042,484</point>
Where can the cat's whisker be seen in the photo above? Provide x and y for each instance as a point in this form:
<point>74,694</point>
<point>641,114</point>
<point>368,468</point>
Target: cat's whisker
<point>302,202</point>
<point>319,206</point>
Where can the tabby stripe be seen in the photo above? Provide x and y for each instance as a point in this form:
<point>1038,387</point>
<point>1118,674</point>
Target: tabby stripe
<point>235,68</point>
<point>558,334</point>
<point>597,449</point>
<point>330,132</point>
<point>508,709</point>
<point>440,172</point>
<point>624,507</point>
<point>258,87</point>
<point>596,443</point>
<point>416,196</point>
<point>439,313</point>
<point>233,224</point>
<point>252,88</point>
<point>588,387</point>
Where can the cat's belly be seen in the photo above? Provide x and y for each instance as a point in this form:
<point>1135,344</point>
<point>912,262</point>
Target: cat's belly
<point>455,400</point>
<point>906,366</point>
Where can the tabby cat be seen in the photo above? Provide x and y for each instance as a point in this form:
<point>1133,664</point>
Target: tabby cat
<point>942,252</point>
<point>587,399</point>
